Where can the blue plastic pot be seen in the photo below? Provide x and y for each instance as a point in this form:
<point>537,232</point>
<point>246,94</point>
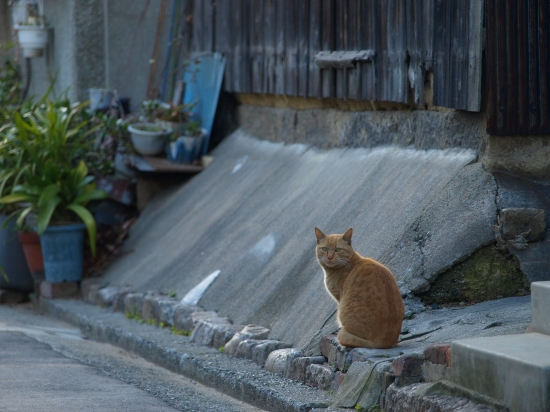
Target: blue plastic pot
<point>185,149</point>
<point>62,248</point>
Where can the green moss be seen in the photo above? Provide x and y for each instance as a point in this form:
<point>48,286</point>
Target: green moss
<point>177,331</point>
<point>488,274</point>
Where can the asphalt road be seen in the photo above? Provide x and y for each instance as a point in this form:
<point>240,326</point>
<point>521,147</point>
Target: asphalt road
<point>46,365</point>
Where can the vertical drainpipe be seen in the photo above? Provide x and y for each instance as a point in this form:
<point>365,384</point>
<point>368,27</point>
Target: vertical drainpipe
<point>106,41</point>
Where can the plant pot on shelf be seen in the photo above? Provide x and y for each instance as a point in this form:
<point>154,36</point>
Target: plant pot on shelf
<point>63,251</point>
<point>148,138</point>
<point>186,149</point>
<point>33,40</point>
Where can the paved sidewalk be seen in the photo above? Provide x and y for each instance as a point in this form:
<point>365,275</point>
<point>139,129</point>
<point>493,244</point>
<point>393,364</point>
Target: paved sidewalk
<point>239,378</point>
<point>47,365</point>
<point>35,377</point>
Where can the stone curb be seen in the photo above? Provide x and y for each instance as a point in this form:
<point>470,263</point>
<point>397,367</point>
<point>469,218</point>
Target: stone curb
<point>208,329</point>
<point>240,380</point>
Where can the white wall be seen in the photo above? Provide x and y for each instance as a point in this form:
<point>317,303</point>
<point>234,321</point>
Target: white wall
<point>83,36</point>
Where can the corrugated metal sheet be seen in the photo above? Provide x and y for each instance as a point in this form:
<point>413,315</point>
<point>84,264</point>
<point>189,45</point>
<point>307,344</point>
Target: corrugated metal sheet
<point>270,47</point>
<point>518,67</point>
<point>458,56</point>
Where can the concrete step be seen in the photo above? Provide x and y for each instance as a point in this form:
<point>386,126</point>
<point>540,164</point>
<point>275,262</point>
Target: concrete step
<point>512,369</point>
<point>540,306</point>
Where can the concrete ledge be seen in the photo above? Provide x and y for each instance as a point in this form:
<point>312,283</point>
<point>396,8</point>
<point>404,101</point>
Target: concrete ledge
<point>62,290</point>
<point>326,128</point>
<point>438,397</point>
<point>512,369</point>
<point>241,379</point>
<point>540,306</point>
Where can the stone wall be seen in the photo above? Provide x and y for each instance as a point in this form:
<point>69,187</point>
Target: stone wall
<point>522,155</point>
<point>330,123</point>
<point>325,128</point>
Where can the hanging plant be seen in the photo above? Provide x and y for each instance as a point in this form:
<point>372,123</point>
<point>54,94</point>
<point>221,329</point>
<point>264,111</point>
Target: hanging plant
<point>31,27</point>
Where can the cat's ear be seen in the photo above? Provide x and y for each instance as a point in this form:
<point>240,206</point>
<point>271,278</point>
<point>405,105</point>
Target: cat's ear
<point>318,234</point>
<point>347,236</point>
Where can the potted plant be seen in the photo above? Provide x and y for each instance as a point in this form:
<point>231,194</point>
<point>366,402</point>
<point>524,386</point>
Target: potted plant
<point>45,181</point>
<point>173,117</point>
<point>31,27</point>
<point>14,272</point>
<point>185,141</point>
<point>186,146</point>
<point>10,165</point>
<point>148,138</point>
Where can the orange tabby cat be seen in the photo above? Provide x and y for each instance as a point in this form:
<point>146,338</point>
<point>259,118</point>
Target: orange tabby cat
<point>370,307</point>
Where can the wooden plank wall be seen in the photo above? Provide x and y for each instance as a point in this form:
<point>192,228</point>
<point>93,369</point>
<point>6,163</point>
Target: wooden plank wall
<point>270,47</point>
<point>518,67</point>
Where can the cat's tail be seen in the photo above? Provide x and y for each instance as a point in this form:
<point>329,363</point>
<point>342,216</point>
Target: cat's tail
<point>347,339</point>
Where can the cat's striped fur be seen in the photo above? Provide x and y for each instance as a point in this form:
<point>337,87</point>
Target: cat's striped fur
<point>370,307</point>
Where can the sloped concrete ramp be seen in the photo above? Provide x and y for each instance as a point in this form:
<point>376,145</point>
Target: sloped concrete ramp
<point>251,215</point>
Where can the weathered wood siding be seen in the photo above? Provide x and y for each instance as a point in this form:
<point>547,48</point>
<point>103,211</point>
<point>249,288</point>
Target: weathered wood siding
<point>518,67</point>
<point>270,46</point>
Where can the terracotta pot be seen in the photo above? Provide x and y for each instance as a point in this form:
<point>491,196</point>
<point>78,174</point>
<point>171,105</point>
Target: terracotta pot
<point>33,253</point>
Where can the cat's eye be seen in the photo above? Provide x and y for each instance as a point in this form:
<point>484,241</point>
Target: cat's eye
<point>324,249</point>
<point>339,249</point>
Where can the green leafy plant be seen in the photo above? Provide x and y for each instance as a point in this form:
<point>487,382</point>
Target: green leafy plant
<point>57,196</point>
<point>179,117</point>
<point>43,177</point>
<point>190,128</point>
<point>154,109</point>
<point>111,135</point>
<point>148,127</point>
<point>34,16</point>
<point>132,314</point>
<point>10,80</point>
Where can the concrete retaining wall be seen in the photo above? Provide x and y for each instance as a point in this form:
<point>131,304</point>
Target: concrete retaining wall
<point>325,128</point>
<point>251,215</point>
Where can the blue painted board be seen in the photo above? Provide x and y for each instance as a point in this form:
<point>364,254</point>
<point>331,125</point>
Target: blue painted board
<point>203,83</point>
